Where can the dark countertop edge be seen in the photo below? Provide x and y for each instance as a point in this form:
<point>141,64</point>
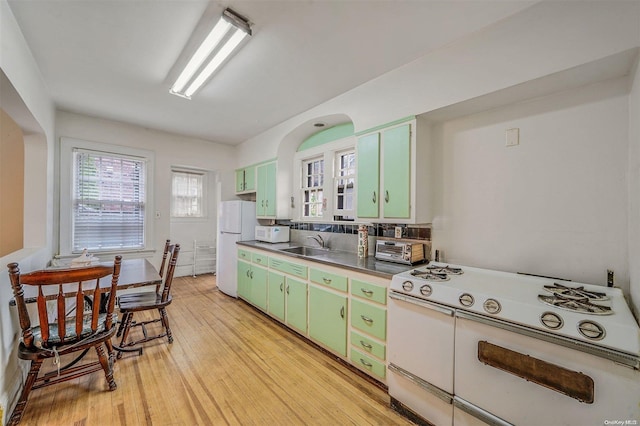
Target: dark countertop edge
<point>370,265</point>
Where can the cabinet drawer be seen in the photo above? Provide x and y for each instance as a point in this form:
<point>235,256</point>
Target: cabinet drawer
<point>369,291</point>
<point>368,318</point>
<point>334,281</point>
<point>288,267</point>
<point>367,345</point>
<point>367,363</point>
<point>260,259</point>
<point>244,254</point>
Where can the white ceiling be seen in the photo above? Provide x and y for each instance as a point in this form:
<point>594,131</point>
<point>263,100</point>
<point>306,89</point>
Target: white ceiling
<point>115,58</point>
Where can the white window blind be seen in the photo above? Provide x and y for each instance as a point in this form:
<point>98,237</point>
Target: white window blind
<point>187,194</point>
<point>108,201</point>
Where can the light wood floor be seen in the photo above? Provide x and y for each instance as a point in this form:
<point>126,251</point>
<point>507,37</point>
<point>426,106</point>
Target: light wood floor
<point>228,365</point>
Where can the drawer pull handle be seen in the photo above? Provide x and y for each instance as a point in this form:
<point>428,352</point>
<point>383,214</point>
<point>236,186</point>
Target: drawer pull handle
<point>247,272</point>
<point>342,312</point>
<point>258,260</point>
<point>251,274</point>
<point>281,285</point>
<point>326,280</point>
<point>374,197</point>
<point>367,292</point>
<point>287,289</point>
<point>386,196</point>
<point>365,363</point>
<point>366,319</point>
<point>365,345</point>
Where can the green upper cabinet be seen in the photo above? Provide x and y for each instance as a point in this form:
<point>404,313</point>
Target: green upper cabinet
<point>266,190</point>
<point>246,179</point>
<point>394,173</point>
<point>368,175</point>
<point>328,319</point>
<point>396,153</point>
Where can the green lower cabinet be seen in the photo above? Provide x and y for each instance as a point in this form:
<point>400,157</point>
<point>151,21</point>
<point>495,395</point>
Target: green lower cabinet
<point>369,346</point>
<point>367,363</point>
<point>244,280</point>
<point>258,292</point>
<point>328,319</point>
<point>296,295</point>
<point>368,318</point>
<point>276,295</point>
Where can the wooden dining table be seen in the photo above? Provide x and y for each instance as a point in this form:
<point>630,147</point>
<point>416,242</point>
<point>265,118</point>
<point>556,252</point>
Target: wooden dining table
<point>133,273</point>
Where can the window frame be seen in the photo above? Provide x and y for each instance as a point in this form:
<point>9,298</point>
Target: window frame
<point>337,177</point>
<point>67,147</point>
<point>203,194</point>
<point>328,153</point>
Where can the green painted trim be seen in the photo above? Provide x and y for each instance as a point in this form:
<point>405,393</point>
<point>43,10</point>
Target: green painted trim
<point>258,164</point>
<point>328,135</point>
<point>384,126</point>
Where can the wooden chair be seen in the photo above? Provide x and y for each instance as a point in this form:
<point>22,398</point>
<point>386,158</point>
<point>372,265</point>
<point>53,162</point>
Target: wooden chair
<point>139,302</point>
<point>129,297</point>
<point>76,324</point>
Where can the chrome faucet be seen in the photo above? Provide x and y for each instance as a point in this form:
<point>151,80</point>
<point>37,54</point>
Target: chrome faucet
<point>318,239</point>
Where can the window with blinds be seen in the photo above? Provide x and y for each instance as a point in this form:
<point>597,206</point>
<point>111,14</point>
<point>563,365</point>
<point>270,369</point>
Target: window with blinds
<point>108,201</point>
<point>187,194</point>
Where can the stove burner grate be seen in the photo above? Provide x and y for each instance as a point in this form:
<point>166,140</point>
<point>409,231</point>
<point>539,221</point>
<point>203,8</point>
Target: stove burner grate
<point>576,293</point>
<point>576,305</point>
<point>449,270</point>
<point>430,275</point>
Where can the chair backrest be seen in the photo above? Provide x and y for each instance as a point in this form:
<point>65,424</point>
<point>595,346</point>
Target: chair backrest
<point>75,291</point>
<point>174,250</point>
<point>163,265</point>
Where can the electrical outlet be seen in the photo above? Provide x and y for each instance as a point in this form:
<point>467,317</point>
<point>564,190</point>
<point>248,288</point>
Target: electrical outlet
<point>513,137</point>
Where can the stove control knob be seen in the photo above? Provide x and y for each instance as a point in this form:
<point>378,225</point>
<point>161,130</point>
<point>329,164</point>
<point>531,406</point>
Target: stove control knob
<point>426,290</point>
<point>466,299</point>
<point>551,320</point>
<point>492,306</point>
<point>591,330</point>
<point>407,285</point>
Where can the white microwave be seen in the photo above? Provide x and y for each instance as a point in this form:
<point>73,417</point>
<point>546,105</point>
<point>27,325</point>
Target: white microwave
<point>272,234</point>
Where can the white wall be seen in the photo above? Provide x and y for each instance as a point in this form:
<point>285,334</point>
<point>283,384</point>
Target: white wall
<point>25,98</point>
<point>554,205</point>
<point>634,190</point>
<point>544,39</point>
<point>170,150</point>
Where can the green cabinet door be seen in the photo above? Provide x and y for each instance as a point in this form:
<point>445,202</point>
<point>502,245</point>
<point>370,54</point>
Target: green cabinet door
<point>368,174</point>
<point>396,151</point>
<point>276,295</point>
<point>240,180</point>
<point>297,304</point>
<point>258,287</point>
<point>250,178</point>
<point>266,190</point>
<point>270,190</point>
<point>243,279</point>
<point>328,319</point>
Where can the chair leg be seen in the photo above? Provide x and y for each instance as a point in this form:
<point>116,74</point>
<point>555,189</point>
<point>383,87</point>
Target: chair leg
<point>125,331</point>
<point>106,366</point>
<point>122,322</point>
<point>165,322</point>
<point>16,415</point>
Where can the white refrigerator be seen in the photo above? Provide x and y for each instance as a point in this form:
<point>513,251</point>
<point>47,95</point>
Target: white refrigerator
<point>236,222</point>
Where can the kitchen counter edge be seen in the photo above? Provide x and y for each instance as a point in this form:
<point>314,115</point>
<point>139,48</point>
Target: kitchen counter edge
<point>341,259</point>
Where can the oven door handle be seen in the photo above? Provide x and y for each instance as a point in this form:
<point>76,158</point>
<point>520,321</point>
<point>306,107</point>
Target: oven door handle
<point>422,303</point>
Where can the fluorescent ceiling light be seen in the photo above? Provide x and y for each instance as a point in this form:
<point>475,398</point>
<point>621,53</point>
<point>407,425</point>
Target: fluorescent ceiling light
<point>223,39</point>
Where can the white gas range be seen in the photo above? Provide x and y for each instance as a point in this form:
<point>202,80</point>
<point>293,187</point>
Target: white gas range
<point>467,344</point>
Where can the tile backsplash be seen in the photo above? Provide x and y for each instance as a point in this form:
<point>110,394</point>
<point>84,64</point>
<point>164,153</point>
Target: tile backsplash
<point>416,232</point>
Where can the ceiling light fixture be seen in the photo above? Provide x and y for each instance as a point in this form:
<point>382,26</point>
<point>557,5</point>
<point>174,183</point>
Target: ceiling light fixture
<point>223,39</point>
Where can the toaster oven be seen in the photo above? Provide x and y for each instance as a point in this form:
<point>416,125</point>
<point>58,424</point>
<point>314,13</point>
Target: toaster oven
<point>400,251</point>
